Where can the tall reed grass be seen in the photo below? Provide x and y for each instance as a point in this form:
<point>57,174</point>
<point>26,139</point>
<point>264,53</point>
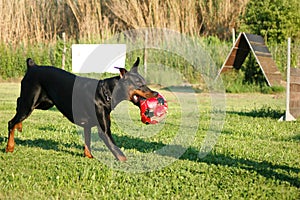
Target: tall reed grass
<point>27,21</point>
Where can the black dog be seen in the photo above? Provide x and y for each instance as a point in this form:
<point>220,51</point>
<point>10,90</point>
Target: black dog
<point>84,101</point>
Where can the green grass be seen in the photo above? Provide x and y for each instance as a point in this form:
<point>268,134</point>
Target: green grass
<point>256,156</point>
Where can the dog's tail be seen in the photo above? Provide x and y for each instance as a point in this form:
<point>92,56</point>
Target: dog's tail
<point>30,63</point>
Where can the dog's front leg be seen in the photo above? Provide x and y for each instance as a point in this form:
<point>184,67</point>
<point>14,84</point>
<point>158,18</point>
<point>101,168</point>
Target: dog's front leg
<point>87,142</point>
<point>116,151</point>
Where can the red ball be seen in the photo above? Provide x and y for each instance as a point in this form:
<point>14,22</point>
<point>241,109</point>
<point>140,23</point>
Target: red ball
<point>153,110</point>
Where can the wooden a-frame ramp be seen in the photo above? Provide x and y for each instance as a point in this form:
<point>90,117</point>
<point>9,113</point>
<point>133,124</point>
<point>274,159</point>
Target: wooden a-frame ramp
<point>255,43</point>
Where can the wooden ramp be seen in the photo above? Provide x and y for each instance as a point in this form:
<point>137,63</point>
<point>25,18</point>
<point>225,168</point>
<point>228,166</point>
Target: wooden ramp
<point>295,92</point>
<point>255,43</point>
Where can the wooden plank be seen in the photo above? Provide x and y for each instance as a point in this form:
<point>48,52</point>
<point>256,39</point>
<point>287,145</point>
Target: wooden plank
<point>274,79</point>
<point>294,96</point>
<point>295,112</point>
<point>257,43</point>
<point>295,92</point>
<point>267,64</point>
<point>294,104</point>
<point>294,87</point>
<point>263,58</point>
<point>295,76</point>
<point>295,71</point>
<point>255,38</point>
<point>263,54</point>
<point>231,58</point>
<point>270,70</point>
<point>261,49</point>
<point>295,79</point>
<point>226,68</point>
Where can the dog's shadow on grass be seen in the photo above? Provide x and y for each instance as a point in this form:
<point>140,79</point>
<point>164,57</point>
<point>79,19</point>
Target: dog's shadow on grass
<point>47,144</point>
<point>264,168</point>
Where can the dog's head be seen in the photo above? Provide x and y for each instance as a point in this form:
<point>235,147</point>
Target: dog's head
<point>131,86</point>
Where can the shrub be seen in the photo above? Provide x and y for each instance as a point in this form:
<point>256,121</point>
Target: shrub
<point>275,20</point>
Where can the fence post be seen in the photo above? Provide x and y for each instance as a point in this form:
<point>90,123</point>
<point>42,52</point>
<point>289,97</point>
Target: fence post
<point>145,54</point>
<point>288,116</point>
<point>233,37</point>
<point>64,51</point>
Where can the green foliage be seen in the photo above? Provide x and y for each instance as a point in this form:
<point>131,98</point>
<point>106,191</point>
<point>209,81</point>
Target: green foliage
<point>8,62</point>
<point>236,82</point>
<point>253,72</point>
<point>217,49</point>
<point>13,58</point>
<point>279,54</point>
<point>275,20</point>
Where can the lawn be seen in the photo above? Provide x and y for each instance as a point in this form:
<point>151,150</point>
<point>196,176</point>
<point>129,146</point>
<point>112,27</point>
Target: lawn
<point>255,157</point>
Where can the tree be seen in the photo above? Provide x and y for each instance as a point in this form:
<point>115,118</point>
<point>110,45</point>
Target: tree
<point>275,20</point>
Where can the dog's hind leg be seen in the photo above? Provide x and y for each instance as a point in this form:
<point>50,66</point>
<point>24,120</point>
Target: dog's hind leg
<point>87,142</point>
<point>15,123</point>
<point>25,105</point>
<point>11,137</point>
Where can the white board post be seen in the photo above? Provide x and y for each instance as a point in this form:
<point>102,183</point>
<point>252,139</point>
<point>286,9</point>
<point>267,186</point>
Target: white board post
<point>233,37</point>
<point>145,54</point>
<point>288,116</point>
<point>63,60</point>
<point>98,58</point>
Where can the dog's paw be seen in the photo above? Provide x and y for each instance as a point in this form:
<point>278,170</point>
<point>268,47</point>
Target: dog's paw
<point>122,158</point>
<point>87,153</point>
<point>9,149</point>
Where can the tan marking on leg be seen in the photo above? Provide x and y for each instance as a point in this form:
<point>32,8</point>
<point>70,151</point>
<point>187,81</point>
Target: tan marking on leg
<point>11,140</point>
<point>11,137</point>
<point>87,152</point>
<point>121,158</point>
<point>19,127</point>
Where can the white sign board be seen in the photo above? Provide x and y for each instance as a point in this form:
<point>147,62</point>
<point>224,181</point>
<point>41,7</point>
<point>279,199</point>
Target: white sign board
<point>98,58</point>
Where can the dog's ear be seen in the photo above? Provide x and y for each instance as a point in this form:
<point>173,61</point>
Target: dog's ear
<point>123,71</point>
<point>30,62</point>
<point>134,68</point>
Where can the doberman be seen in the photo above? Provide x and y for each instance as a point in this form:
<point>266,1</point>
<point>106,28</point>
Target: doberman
<point>84,101</point>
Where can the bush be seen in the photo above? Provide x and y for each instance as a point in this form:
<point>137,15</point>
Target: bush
<point>235,82</point>
<point>275,20</point>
